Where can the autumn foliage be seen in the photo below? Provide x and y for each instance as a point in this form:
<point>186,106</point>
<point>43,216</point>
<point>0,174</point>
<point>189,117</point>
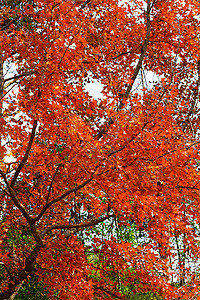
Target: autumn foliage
<point>81,169</point>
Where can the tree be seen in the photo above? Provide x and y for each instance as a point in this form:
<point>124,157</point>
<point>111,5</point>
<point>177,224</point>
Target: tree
<point>70,161</point>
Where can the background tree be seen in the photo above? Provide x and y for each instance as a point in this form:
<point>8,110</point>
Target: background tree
<point>77,161</point>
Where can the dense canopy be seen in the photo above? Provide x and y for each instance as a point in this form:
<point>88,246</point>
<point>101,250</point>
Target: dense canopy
<point>99,148</point>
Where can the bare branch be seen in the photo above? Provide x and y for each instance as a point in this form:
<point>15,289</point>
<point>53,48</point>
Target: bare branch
<point>76,226</point>
<point>10,89</point>
<point>21,165</point>
<point>14,78</point>
<point>71,191</point>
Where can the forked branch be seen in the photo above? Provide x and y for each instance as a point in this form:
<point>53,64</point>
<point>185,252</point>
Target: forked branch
<point>64,195</point>
<point>22,209</point>
<point>14,198</point>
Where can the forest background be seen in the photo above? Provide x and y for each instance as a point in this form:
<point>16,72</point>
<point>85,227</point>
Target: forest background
<point>99,194</point>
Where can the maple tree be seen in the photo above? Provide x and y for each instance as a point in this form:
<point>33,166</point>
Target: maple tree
<point>124,160</point>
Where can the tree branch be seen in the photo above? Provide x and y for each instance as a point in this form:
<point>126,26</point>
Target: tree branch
<point>109,292</point>
<point>30,260</point>
<point>84,4</point>
<point>50,187</point>
<point>15,282</point>
<point>1,86</point>
<point>14,78</point>
<point>49,204</point>
<point>121,54</point>
<point>132,139</point>
<point>13,196</point>
<point>9,23</point>
<point>7,270</point>
<point>143,52</point>
<point>187,187</point>
<point>12,297</point>
<point>13,20</point>
<point>76,226</point>
<point>136,71</point>
<point>21,165</point>
<point>22,209</point>
<point>5,191</point>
